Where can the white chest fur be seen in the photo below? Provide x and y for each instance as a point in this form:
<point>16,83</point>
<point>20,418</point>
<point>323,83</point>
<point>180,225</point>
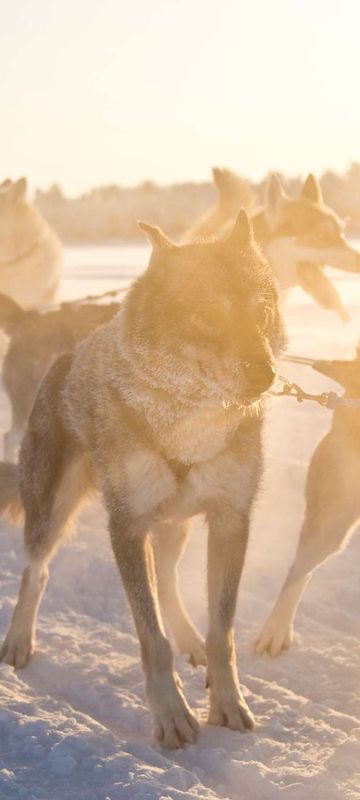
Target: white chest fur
<point>201,434</point>
<point>216,473</point>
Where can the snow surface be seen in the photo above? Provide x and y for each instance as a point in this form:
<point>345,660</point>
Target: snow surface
<point>74,724</point>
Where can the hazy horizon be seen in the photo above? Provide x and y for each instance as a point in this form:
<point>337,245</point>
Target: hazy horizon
<point>118,93</point>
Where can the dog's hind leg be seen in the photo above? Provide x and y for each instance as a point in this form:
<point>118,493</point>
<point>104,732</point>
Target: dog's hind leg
<point>45,526</point>
<point>19,644</point>
<point>169,542</point>
<point>53,479</point>
<point>332,509</point>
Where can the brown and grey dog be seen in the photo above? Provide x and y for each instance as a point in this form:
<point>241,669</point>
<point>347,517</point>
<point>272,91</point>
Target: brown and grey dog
<point>332,506</point>
<point>36,340</point>
<point>30,251</point>
<point>160,410</point>
<point>233,193</point>
<point>302,235</point>
<point>299,236</point>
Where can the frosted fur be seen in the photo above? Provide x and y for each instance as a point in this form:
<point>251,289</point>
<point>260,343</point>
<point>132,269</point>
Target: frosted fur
<point>165,421</point>
<point>190,430</point>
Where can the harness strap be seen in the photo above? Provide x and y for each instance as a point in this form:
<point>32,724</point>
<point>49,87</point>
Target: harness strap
<point>90,298</point>
<point>329,400</point>
<point>299,360</point>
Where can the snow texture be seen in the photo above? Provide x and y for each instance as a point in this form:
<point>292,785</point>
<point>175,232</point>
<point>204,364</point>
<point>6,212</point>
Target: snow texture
<point>74,724</point>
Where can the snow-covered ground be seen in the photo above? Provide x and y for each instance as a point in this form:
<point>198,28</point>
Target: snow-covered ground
<point>74,724</point>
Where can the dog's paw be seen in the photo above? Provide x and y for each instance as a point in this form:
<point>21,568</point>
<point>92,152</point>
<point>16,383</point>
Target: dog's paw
<point>189,642</point>
<point>197,654</point>
<point>274,639</point>
<point>17,649</point>
<point>174,723</point>
<point>229,709</point>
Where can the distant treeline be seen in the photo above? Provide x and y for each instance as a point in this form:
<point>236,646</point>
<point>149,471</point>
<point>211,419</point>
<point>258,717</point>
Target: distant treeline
<point>111,212</point>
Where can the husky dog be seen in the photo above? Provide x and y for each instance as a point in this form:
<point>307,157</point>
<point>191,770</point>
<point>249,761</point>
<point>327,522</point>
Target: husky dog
<point>233,193</point>
<point>30,251</point>
<point>36,340</point>
<point>299,236</point>
<point>160,410</point>
<point>332,506</point>
<point>303,235</point>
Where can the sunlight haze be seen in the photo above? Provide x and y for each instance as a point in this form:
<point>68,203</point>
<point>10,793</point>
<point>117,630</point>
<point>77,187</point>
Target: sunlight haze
<point>117,92</point>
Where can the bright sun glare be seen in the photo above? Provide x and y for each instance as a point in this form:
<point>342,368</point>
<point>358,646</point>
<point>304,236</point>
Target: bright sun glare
<point>118,92</point>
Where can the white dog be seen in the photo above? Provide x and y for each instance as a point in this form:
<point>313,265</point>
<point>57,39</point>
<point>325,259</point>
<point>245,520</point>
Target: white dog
<point>30,251</point>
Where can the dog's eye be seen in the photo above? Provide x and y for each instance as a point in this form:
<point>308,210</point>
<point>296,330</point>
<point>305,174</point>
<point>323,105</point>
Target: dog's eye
<point>208,323</point>
<point>327,232</point>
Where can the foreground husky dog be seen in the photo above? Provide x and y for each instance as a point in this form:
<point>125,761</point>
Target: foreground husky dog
<point>36,340</point>
<point>30,252</point>
<point>332,506</point>
<point>160,410</point>
<point>299,236</point>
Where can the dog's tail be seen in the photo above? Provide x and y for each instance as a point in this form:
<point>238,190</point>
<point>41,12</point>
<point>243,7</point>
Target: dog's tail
<point>11,506</point>
<point>11,314</point>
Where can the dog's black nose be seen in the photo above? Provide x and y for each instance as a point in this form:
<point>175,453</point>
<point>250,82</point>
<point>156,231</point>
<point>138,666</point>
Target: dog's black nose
<point>260,375</point>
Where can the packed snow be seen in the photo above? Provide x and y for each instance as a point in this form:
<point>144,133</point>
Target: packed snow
<point>74,724</point>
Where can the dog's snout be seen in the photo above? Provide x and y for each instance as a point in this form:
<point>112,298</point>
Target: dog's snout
<point>259,374</point>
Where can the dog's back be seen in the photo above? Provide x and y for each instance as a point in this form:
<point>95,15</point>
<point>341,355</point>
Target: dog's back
<point>37,339</point>
<point>346,420</point>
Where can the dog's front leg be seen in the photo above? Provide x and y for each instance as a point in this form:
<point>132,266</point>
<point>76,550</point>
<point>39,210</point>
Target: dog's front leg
<point>228,534</point>
<point>174,722</point>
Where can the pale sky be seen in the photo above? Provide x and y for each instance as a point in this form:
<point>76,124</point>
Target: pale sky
<point>108,91</point>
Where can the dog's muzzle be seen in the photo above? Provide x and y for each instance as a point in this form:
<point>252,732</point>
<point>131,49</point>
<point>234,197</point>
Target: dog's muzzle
<point>259,375</point>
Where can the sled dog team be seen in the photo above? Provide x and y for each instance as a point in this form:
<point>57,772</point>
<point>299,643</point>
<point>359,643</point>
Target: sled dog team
<point>158,403</point>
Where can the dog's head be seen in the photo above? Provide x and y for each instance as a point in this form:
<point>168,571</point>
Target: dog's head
<point>203,321</point>
<point>306,230</point>
<point>233,192</point>
<point>19,221</point>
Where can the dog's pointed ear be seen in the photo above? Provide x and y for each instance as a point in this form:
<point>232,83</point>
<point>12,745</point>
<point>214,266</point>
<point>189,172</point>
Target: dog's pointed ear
<point>242,232</point>
<point>217,177</point>
<point>275,192</point>
<point>17,190</point>
<point>276,198</point>
<point>5,185</point>
<point>312,189</point>
<point>155,235</point>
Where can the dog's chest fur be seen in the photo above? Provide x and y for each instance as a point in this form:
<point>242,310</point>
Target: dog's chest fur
<point>192,435</point>
<point>218,467</point>
<point>201,434</point>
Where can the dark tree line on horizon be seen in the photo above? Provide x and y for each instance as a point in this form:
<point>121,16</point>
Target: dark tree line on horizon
<point>111,212</point>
